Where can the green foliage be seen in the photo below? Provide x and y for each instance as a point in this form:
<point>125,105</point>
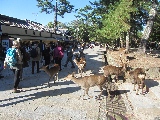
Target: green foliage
<point>107,20</point>
<point>155,34</point>
<point>48,6</point>
<point>50,24</point>
<point>117,20</point>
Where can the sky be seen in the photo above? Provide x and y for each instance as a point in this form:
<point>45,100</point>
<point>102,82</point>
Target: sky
<point>27,9</point>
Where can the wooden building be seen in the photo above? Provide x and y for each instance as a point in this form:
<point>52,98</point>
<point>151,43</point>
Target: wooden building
<point>13,28</point>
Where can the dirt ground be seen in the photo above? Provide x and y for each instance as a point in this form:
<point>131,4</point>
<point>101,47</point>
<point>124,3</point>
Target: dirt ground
<point>140,107</point>
<point>134,59</point>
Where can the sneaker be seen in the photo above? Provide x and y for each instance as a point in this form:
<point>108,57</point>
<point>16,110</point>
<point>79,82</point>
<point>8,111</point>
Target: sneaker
<point>16,91</point>
<point>21,79</point>
<point>19,87</point>
<point>65,65</point>
<point>1,77</point>
<point>73,67</point>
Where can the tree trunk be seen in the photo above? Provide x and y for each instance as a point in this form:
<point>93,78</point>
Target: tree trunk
<point>148,28</point>
<point>121,42</point>
<point>127,42</point>
<point>55,18</point>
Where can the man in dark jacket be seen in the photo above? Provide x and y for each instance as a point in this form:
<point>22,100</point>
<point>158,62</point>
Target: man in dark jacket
<point>46,54</point>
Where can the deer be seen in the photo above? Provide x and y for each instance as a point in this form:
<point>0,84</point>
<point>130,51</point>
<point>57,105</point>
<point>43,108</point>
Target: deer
<point>53,71</point>
<point>138,75</point>
<point>114,70</point>
<point>81,63</point>
<point>89,81</point>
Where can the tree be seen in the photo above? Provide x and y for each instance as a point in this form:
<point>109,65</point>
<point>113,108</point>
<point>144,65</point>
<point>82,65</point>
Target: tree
<point>60,8</point>
<point>147,31</point>
<point>117,20</point>
<point>155,34</point>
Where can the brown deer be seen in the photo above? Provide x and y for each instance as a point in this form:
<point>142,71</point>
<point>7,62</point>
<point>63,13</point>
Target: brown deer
<point>113,70</point>
<point>139,77</point>
<point>89,81</point>
<point>53,71</point>
<point>81,63</point>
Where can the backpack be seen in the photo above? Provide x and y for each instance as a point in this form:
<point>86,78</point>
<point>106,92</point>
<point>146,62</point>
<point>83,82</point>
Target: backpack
<point>33,53</point>
<point>11,56</point>
<point>58,52</point>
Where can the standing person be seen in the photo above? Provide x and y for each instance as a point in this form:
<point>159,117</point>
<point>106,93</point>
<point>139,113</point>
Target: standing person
<point>58,54</point>
<point>69,56</point>
<point>46,55</point>
<point>25,58</point>
<point>17,67</point>
<point>2,57</point>
<point>40,45</point>
<point>35,56</point>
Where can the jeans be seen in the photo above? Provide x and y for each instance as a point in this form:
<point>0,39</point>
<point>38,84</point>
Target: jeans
<point>16,78</point>
<point>69,59</point>
<point>33,64</point>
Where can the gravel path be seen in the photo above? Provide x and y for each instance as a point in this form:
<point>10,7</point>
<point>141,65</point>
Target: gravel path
<point>62,100</point>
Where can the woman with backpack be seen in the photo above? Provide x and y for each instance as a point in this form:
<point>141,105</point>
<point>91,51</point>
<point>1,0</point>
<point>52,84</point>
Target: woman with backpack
<point>58,54</point>
<point>16,67</point>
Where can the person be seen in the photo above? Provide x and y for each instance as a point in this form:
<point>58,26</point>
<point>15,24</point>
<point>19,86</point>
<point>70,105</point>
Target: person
<point>46,55</point>
<point>69,56</point>
<point>37,58</point>
<point>40,45</point>
<point>25,58</point>
<point>17,67</point>
<point>58,54</point>
<point>2,57</point>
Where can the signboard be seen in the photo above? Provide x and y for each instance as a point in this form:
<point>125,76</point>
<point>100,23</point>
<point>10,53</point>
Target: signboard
<point>5,43</point>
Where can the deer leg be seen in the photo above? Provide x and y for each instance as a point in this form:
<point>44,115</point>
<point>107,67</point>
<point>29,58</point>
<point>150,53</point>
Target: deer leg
<point>84,93</point>
<point>109,87</point>
<point>116,78</point>
<point>143,85</point>
<point>100,87</point>
<point>142,90</point>
<point>81,72</point>
<point>87,89</point>
<point>137,89</point>
<point>49,81</point>
<point>134,85</point>
<point>57,76</point>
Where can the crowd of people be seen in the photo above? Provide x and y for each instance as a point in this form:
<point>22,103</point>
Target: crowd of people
<point>37,53</point>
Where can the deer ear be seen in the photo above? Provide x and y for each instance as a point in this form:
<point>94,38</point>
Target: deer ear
<point>73,74</point>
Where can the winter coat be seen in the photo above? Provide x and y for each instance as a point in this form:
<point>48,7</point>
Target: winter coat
<point>56,51</point>
<point>39,54</point>
<point>46,53</point>
<point>70,51</point>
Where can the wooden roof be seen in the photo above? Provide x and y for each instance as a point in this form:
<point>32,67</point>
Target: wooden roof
<point>26,29</point>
